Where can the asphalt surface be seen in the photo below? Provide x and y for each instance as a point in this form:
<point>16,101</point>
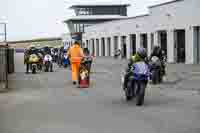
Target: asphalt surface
<point>49,103</point>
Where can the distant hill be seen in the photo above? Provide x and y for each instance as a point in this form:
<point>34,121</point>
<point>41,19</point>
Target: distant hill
<point>40,42</point>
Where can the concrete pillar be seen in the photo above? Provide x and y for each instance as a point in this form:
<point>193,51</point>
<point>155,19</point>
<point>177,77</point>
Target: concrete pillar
<point>106,46</point>
<point>156,42</point>
<point>170,46</point>
<point>128,46</point>
<point>138,41</point>
<point>189,45</point>
<point>112,46</point>
<point>119,42</point>
<point>95,47</point>
<point>90,46</point>
<point>149,43</point>
<point>100,47</point>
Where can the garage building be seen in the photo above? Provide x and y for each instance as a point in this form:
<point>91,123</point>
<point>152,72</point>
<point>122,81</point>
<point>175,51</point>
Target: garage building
<point>174,25</point>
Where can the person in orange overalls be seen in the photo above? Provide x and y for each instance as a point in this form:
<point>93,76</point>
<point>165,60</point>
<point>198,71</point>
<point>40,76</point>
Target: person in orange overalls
<point>75,54</point>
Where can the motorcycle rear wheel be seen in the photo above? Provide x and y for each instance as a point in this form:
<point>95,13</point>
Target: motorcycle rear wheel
<point>33,69</point>
<point>155,76</point>
<point>129,91</point>
<point>140,93</point>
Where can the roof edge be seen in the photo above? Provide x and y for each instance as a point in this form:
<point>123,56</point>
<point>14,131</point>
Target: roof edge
<point>134,17</point>
<point>74,19</point>
<point>165,3</point>
<point>138,16</point>
<point>74,6</point>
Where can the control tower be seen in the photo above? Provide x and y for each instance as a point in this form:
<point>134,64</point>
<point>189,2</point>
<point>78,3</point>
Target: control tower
<point>87,15</point>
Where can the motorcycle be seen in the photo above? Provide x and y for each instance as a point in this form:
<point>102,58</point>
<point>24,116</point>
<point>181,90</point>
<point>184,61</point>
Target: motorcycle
<point>39,65</point>
<point>65,61</point>
<point>84,72</point>
<point>33,60</point>
<point>156,70</point>
<point>48,63</point>
<point>117,54</point>
<point>137,82</point>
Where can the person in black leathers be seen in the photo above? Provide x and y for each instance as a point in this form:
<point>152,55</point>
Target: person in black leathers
<point>86,51</point>
<point>60,56</point>
<point>158,52</point>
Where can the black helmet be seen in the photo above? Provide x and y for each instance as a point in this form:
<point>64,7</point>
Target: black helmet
<point>142,52</point>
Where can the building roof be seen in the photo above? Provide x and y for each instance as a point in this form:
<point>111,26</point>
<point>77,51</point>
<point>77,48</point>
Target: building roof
<point>96,17</point>
<point>138,16</point>
<point>97,5</point>
<point>165,3</point>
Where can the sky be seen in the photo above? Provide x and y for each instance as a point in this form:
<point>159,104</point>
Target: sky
<point>29,19</point>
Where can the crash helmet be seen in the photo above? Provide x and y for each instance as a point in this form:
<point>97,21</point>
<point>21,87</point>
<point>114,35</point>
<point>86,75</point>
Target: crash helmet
<point>142,52</point>
<point>156,50</point>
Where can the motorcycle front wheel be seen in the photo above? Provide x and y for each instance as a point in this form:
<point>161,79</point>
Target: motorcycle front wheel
<point>129,91</point>
<point>34,69</point>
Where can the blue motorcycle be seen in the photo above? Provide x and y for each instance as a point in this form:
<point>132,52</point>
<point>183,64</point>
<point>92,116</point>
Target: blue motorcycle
<point>66,61</point>
<point>137,82</point>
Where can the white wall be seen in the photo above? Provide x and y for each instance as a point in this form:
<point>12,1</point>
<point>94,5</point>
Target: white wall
<point>177,15</point>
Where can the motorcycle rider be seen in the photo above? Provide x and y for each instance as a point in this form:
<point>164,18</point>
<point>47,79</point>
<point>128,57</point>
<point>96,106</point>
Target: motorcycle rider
<point>26,59</point>
<point>31,50</point>
<point>141,55</point>
<point>56,55</point>
<point>86,53</point>
<point>158,52</point>
<point>60,56</point>
<point>47,50</point>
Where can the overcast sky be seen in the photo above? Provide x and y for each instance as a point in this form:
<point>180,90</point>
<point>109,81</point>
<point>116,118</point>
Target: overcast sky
<point>28,19</point>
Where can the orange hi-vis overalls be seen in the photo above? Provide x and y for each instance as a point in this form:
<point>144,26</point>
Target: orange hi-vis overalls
<point>75,53</point>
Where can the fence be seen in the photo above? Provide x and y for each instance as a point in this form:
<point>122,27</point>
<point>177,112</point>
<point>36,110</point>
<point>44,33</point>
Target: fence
<point>6,65</point>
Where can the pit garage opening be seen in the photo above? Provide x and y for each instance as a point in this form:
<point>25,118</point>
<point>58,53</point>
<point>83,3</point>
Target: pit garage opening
<point>93,47</point>
<point>116,43</point>
<point>163,40</point>
<point>143,40</point>
<point>108,46</point>
<point>97,47</point>
<point>103,46</point>
<point>123,46</point>
<point>197,45</point>
<point>133,44</point>
<point>179,39</point>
